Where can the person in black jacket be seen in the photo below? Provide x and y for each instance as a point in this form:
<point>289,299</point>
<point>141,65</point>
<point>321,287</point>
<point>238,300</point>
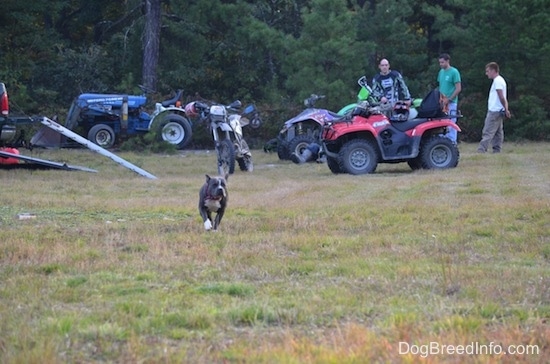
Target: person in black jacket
<point>388,87</point>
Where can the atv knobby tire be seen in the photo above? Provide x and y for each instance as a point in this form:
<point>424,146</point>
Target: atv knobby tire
<point>282,150</point>
<point>299,143</point>
<point>439,152</point>
<point>359,156</point>
<point>415,163</point>
<point>333,165</point>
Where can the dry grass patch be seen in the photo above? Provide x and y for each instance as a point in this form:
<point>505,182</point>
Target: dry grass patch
<point>308,267</point>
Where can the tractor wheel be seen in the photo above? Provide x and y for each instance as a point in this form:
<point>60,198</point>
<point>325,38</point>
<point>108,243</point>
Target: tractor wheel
<point>102,135</point>
<point>359,156</point>
<point>176,129</point>
<point>439,152</point>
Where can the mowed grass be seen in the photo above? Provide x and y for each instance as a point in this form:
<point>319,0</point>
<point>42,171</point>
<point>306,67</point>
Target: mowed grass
<point>307,267</point>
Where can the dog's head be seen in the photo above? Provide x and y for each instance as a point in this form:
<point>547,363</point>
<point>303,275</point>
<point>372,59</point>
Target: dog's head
<point>216,187</point>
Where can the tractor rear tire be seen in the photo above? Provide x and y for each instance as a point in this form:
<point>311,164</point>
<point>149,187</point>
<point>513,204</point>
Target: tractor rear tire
<point>176,129</point>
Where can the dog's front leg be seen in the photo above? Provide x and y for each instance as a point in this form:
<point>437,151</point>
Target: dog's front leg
<point>206,217</point>
<point>217,220</point>
<point>221,211</point>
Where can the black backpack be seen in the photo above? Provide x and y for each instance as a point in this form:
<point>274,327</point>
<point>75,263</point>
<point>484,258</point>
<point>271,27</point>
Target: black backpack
<point>430,106</point>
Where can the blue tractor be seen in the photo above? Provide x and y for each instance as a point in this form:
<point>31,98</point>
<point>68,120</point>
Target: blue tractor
<point>108,118</point>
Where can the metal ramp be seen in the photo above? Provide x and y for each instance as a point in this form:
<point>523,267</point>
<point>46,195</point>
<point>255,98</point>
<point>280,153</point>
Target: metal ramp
<point>77,138</point>
<point>40,162</point>
<point>96,148</point>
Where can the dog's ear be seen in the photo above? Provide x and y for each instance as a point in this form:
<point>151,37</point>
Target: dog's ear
<point>226,176</point>
<point>207,178</point>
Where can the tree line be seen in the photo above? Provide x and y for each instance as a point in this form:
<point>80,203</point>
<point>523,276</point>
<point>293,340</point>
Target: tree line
<point>276,52</point>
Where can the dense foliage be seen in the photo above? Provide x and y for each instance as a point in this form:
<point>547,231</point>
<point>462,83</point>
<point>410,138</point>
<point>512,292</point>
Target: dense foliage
<point>276,52</point>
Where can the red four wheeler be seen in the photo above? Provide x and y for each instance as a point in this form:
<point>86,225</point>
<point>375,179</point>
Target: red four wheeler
<point>357,143</point>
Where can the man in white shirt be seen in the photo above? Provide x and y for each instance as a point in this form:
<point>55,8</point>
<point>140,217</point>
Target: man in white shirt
<point>497,109</point>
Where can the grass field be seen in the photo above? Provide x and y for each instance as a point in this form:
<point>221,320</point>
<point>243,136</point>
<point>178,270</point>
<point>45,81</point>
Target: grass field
<point>307,267</point>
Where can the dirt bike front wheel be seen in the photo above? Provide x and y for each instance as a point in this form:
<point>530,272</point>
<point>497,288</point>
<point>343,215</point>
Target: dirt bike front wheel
<point>225,151</point>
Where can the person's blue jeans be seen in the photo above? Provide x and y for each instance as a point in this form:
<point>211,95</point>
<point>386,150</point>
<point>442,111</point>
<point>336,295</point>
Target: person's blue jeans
<point>452,134</point>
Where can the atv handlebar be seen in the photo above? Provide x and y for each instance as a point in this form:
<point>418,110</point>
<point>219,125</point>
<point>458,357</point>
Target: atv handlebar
<point>310,101</point>
<point>363,82</point>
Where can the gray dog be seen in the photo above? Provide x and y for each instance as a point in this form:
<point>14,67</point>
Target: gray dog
<point>213,199</point>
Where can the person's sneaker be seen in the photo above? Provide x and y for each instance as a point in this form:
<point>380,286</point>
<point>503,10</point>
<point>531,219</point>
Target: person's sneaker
<point>480,151</point>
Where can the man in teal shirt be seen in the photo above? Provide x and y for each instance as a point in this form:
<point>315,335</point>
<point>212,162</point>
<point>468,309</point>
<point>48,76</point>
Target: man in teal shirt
<point>449,86</point>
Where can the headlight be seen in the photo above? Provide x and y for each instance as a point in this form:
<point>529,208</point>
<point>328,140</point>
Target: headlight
<point>217,110</point>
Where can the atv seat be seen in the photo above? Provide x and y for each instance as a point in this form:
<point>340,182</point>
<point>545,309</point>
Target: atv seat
<point>335,114</point>
<point>409,124</point>
<point>173,100</point>
<point>340,118</point>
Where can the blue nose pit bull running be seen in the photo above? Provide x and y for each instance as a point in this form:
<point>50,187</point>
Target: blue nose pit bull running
<point>213,199</point>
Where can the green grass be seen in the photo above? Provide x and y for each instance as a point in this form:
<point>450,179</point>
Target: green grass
<point>308,267</point>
